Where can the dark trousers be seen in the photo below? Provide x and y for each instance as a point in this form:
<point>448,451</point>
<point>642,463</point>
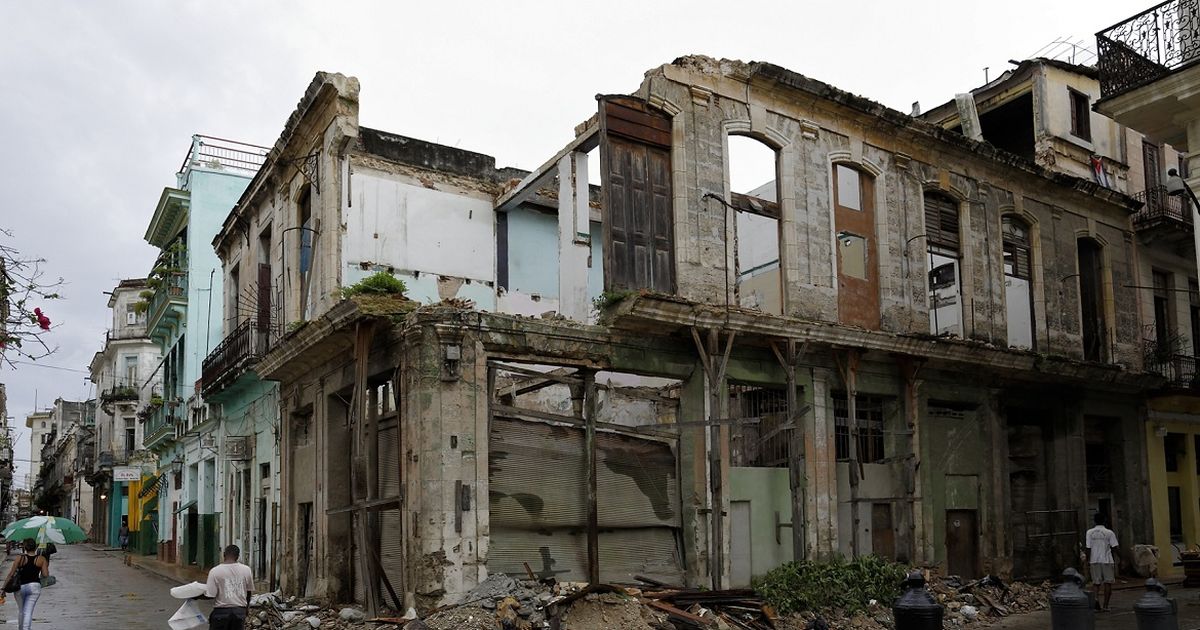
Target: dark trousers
<point>227,619</point>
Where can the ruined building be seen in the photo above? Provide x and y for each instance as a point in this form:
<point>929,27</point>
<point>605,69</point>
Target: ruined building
<point>893,342</point>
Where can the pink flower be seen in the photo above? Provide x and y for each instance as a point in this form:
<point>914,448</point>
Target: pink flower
<point>42,321</point>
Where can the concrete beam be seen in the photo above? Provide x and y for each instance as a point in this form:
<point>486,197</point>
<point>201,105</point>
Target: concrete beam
<point>529,186</point>
<point>574,236</point>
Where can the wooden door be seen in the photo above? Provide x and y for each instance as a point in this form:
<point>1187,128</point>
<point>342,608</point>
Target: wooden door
<point>635,156</point>
<point>962,544</point>
<point>857,258</point>
<point>883,534</point>
<point>1151,167</point>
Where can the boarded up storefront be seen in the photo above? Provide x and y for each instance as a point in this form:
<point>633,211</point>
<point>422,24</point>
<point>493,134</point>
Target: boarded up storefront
<point>537,475</point>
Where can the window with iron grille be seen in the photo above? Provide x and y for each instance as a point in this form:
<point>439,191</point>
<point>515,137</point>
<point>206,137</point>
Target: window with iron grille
<point>764,444</point>
<point>869,411</point>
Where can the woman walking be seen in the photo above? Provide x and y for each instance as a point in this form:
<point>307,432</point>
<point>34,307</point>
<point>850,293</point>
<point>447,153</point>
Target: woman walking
<point>29,568</point>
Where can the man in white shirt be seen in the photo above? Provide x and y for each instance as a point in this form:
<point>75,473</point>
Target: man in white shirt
<point>229,585</point>
<point>1100,543</point>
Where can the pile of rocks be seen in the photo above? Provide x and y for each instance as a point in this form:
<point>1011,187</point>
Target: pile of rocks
<point>988,598</point>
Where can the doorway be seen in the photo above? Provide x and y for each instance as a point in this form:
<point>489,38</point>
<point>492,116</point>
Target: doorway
<point>858,274</point>
<point>883,533</point>
<point>739,544</point>
<point>962,543</point>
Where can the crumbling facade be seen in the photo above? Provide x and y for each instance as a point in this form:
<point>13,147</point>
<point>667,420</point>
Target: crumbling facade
<point>899,345</point>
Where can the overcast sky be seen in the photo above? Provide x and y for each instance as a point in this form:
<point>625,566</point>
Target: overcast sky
<point>101,98</point>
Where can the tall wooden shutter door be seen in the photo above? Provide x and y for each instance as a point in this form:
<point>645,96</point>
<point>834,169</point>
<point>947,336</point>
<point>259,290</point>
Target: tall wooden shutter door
<point>264,298</point>
<point>635,155</point>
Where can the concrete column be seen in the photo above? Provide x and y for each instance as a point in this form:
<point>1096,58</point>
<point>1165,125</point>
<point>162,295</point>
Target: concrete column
<point>574,236</point>
<point>821,500</point>
<point>1189,491</point>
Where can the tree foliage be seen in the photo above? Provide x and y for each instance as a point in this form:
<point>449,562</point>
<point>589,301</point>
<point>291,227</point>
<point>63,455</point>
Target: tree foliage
<point>25,293</point>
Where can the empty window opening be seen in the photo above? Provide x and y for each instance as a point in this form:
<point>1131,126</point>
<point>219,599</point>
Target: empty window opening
<point>232,299</point>
<point>1018,282</point>
<point>1091,300</point>
<point>849,187</point>
<point>305,251</point>
<point>1175,513</point>
<point>753,185</point>
<point>1010,126</point>
<point>1081,115</point>
<point>869,411</point>
<point>945,256</point>
<point>765,442</point>
<point>852,255</point>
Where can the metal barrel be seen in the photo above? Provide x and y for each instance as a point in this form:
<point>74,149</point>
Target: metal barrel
<point>1070,605</point>
<point>1154,611</point>
<point>916,609</point>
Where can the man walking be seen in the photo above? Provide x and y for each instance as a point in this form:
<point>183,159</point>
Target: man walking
<point>229,585</point>
<point>1100,543</point>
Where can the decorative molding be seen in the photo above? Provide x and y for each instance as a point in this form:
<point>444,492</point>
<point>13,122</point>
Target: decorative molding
<point>902,160</point>
<point>700,95</point>
<point>809,130</point>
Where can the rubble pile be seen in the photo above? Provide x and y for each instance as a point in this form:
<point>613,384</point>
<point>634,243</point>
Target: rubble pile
<point>988,599</point>
<point>504,603</point>
<point>271,611</point>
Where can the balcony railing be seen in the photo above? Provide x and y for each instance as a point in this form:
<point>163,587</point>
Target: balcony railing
<point>232,355</point>
<point>174,288</point>
<point>120,390</point>
<point>160,426</point>
<point>1178,369</point>
<point>1161,208</point>
<point>110,457</point>
<point>1148,46</point>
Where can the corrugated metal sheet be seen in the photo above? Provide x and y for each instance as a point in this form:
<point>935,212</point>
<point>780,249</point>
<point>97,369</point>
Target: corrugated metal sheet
<point>538,508</point>
<point>390,541</point>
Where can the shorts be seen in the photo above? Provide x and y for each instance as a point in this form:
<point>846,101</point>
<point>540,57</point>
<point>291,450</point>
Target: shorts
<point>1104,573</point>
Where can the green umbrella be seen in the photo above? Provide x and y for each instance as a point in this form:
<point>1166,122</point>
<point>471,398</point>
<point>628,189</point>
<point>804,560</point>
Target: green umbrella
<point>45,529</point>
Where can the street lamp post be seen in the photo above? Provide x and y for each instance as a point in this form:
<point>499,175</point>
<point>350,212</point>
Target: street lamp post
<point>1177,187</point>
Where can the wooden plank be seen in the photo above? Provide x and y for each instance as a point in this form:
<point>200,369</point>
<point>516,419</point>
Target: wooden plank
<point>554,375</point>
<point>593,516</point>
<point>679,615</point>
<point>506,410</point>
<point>377,504</point>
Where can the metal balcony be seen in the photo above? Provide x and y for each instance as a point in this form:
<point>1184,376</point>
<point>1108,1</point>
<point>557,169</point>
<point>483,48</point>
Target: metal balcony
<point>120,390</point>
<point>1178,369</point>
<point>233,356</point>
<point>1161,210</point>
<point>1148,46</point>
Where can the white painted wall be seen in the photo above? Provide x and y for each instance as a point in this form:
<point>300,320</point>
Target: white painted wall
<point>420,233</point>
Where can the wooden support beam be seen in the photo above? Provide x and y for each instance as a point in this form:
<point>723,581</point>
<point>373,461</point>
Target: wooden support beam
<point>543,174</point>
<point>593,515</point>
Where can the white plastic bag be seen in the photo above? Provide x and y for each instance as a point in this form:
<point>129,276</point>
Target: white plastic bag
<point>188,591</point>
<point>188,617</point>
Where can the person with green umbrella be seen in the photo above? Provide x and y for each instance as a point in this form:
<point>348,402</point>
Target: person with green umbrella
<point>28,570</point>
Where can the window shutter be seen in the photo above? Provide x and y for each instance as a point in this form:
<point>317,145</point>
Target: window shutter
<point>263,322</point>
<point>941,220</point>
<point>635,151</point>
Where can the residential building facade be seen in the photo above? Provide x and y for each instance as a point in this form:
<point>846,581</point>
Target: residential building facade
<point>1147,79</point>
<point>124,373</point>
<point>181,497</point>
<point>65,459</point>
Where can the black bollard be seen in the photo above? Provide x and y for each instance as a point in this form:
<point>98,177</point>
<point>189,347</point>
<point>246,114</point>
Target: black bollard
<point>1070,605</point>
<point>1154,611</point>
<point>916,609</point>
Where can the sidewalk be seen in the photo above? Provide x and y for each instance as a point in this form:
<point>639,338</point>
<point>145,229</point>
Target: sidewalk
<point>172,572</point>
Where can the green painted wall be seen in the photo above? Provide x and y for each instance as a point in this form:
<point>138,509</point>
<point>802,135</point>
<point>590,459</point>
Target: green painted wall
<point>767,491</point>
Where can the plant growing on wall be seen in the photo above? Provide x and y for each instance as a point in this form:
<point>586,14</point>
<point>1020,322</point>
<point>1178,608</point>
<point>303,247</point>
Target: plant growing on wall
<point>380,283</point>
<point>24,294</point>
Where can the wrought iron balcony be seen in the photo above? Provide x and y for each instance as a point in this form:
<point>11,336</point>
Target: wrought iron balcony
<point>110,457</point>
<point>1178,369</point>
<point>233,355</point>
<point>1160,209</point>
<point>160,427</point>
<point>120,390</point>
<point>1148,46</point>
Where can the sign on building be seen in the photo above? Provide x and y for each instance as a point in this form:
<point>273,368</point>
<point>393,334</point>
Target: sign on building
<point>237,447</point>
<point>126,473</point>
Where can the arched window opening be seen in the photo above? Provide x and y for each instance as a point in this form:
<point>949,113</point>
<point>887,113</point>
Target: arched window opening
<point>1018,282</point>
<point>1091,299</point>
<point>754,194</point>
<point>945,263</point>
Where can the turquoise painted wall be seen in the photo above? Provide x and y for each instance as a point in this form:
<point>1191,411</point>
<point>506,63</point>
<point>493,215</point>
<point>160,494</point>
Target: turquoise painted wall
<point>533,254</point>
<point>213,194</point>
